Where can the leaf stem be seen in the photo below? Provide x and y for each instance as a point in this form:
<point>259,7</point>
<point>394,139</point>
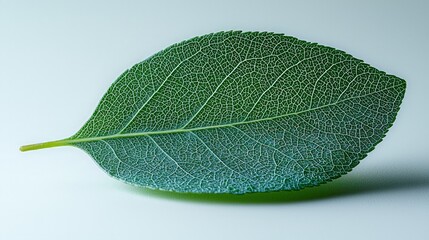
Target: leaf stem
<point>50,144</point>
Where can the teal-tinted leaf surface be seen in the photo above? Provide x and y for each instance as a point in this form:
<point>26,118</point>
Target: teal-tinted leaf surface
<point>235,112</point>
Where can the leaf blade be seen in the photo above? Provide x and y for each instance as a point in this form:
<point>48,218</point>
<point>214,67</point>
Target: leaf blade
<point>240,112</point>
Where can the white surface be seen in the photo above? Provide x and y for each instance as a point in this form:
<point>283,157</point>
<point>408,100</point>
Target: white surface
<point>58,58</point>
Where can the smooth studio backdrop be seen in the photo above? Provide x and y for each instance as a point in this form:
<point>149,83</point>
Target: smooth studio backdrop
<point>58,58</point>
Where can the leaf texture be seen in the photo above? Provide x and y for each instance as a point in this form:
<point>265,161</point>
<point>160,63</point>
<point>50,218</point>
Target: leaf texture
<point>235,112</point>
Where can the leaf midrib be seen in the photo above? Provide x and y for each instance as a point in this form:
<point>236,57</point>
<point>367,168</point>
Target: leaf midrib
<point>184,130</point>
<point>71,141</point>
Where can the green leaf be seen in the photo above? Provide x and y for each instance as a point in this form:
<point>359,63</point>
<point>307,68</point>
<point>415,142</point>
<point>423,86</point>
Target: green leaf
<point>235,112</point>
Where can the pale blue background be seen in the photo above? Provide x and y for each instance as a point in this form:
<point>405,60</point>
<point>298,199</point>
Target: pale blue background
<point>57,58</point>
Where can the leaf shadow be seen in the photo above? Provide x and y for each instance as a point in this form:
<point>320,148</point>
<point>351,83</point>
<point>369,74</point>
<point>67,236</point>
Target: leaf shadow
<point>367,181</point>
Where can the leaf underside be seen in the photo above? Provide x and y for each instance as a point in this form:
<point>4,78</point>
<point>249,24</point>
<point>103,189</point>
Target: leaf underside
<point>235,112</point>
